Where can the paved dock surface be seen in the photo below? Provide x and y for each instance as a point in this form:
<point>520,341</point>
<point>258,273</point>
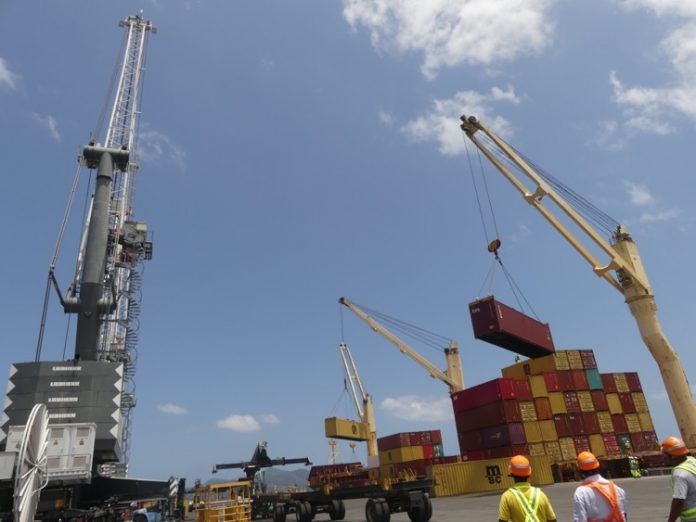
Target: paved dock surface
<point>648,500</point>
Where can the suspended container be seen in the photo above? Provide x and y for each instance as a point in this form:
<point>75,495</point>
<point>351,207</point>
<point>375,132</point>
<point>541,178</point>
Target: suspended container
<point>501,325</point>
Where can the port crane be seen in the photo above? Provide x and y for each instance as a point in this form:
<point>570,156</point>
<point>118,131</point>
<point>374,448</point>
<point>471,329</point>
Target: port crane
<point>452,376</point>
<point>624,270</point>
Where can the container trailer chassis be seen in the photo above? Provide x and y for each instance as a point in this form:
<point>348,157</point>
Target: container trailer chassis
<point>410,497</point>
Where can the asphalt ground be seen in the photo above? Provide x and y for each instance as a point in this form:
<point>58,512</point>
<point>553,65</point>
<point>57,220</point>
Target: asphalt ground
<point>647,500</point>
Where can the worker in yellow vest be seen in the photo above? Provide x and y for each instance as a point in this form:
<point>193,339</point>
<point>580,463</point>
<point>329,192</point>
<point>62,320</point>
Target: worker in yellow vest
<point>683,479</point>
<point>523,502</point>
<point>597,499</point>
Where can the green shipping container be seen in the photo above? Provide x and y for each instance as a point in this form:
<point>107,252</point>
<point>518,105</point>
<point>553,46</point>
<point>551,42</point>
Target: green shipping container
<point>593,379</point>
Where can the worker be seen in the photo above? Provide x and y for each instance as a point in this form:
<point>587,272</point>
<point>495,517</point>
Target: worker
<point>596,498</point>
<point>683,479</point>
<point>523,502</point>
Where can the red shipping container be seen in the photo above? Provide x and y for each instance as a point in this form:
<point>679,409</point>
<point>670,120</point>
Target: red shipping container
<point>589,418</point>
<point>576,424</point>
<point>473,455</point>
<point>419,438</point>
<point>470,440</point>
<point>599,400</point>
<point>484,393</point>
<point>580,380</point>
<point>543,408</point>
<point>651,442</point>
<point>611,445</point>
<point>565,380</point>
<point>436,437</point>
<point>627,404</point>
<point>505,435</point>
<point>638,442</point>
<point>619,422</point>
<point>522,390</point>
<point>562,426</point>
<point>588,359</point>
<point>633,382</point>
<point>552,382</point>
<point>497,323</point>
<point>390,442</point>
<point>572,403</point>
<point>428,451</point>
<point>582,443</point>
<point>492,414</point>
<point>608,382</point>
<point>507,451</point>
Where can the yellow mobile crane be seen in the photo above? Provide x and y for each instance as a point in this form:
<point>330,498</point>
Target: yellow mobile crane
<point>624,270</point>
<point>452,376</point>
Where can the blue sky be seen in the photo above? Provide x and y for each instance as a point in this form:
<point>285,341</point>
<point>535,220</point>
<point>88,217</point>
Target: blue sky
<point>296,152</point>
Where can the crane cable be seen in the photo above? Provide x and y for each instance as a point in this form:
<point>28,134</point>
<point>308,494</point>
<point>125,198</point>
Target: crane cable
<point>493,245</point>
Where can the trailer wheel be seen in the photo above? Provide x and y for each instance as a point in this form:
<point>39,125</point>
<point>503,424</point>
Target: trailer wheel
<point>373,510</point>
<point>303,511</point>
<point>427,503</point>
<point>386,512</point>
<point>337,510</point>
<point>279,513</point>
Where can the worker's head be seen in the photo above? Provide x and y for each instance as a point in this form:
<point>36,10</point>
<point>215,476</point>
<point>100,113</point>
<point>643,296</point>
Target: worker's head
<point>587,463</point>
<point>674,448</point>
<point>519,468</point>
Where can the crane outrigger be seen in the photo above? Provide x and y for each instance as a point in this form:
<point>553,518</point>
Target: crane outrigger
<point>624,271</point>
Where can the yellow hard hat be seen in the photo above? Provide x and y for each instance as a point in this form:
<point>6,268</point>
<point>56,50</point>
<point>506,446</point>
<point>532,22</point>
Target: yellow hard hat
<point>587,461</point>
<point>674,447</point>
<point>519,466</point>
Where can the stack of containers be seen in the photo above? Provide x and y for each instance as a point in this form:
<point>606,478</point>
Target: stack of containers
<point>410,453</point>
<point>557,405</point>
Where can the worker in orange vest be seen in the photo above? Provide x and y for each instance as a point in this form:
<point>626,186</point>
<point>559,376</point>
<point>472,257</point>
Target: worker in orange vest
<point>683,479</point>
<point>523,502</point>
<point>597,499</point>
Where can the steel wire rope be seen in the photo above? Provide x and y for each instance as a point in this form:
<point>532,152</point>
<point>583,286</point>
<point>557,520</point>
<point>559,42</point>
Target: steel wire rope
<point>473,181</point>
<point>110,89</point>
<point>65,340</point>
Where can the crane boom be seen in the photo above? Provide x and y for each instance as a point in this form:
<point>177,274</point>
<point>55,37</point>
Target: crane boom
<point>452,376</point>
<point>624,271</point>
<point>363,400</point>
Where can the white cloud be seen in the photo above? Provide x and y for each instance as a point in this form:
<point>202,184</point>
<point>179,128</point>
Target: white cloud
<point>415,408</point>
<point>386,118</point>
<point>664,7</point>
<point>661,216</point>
<point>154,145</point>
<point>639,194</point>
<point>48,122</point>
<point>7,78</point>
<point>452,32</point>
<point>441,123</point>
<point>172,409</point>
<point>239,423</point>
<point>269,418</point>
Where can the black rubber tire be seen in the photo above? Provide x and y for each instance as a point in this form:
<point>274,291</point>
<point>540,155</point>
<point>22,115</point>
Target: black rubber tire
<point>386,512</point>
<point>335,510</point>
<point>279,514</point>
<point>311,510</point>
<point>302,514</point>
<point>416,514</point>
<point>341,510</point>
<point>428,507</point>
<point>374,510</point>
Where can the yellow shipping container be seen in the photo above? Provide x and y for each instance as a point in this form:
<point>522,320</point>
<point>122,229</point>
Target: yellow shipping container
<point>528,411</point>
<point>567,448</point>
<point>640,402</point>
<point>536,449</point>
<point>605,424</point>
<point>646,423</point>
<point>633,423</point>
<point>347,429</point>
<point>548,363</point>
<point>614,403</point>
<point>585,400</point>
<point>405,454</point>
<point>538,386</point>
<point>557,402</point>
<point>484,476</point>
<point>621,383</point>
<point>548,430</point>
<point>532,431</point>
<point>597,445</point>
<point>574,360</point>
<point>553,451</point>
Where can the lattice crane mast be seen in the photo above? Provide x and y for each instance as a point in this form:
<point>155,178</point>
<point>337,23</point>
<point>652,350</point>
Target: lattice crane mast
<point>624,270</point>
<point>452,376</point>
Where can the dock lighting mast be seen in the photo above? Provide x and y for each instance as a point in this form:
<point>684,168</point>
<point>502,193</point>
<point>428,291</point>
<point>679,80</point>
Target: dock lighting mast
<point>624,271</point>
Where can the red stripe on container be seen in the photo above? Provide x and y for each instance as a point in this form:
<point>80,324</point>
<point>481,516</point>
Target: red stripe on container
<point>552,382</point>
<point>572,403</point>
<point>579,380</point>
<point>484,393</point>
<point>543,408</point>
<point>565,380</point>
<point>619,422</point>
<point>599,400</point>
<point>608,382</point>
<point>633,382</point>
<point>589,418</point>
<point>523,390</point>
<point>627,404</point>
<point>562,427</point>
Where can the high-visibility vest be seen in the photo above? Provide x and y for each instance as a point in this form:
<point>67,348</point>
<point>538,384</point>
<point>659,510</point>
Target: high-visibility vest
<point>611,497</point>
<point>688,465</point>
<point>528,506</point>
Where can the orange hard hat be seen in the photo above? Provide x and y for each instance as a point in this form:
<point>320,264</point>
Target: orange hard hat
<point>519,466</point>
<point>587,461</point>
<point>674,447</point>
